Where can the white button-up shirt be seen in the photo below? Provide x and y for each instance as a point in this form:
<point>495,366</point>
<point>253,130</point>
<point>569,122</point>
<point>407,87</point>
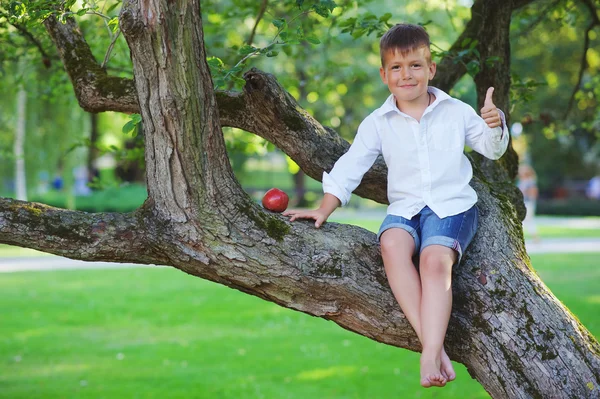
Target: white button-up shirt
<point>425,160</point>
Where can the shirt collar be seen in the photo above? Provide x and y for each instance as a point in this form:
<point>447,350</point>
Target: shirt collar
<point>390,103</point>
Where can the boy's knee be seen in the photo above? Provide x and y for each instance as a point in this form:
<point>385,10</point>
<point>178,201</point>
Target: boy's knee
<point>435,261</point>
<point>399,241</point>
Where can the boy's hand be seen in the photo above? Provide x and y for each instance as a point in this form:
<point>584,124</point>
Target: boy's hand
<point>489,112</point>
<point>319,215</point>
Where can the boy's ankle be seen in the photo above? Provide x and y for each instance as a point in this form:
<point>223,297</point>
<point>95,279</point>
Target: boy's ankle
<point>431,354</point>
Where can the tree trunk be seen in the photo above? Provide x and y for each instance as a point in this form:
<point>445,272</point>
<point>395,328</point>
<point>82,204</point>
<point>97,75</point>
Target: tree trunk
<point>300,189</point>
<point>93,147</point>
<point>19,146</point>
<point>513,335</point>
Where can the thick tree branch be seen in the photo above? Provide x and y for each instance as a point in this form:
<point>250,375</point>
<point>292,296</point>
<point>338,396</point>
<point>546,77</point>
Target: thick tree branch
<point>450,71</point>
<point>111,237</point>
<point>266,109</point>
<point>96,91</point>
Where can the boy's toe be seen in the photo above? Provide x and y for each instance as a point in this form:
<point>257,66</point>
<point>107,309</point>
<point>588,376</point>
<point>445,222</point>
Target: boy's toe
<point>425,382</point>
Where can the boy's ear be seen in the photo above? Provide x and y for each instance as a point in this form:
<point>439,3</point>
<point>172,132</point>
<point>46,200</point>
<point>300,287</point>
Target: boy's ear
<point>382,74</point>
<point>432,70</point>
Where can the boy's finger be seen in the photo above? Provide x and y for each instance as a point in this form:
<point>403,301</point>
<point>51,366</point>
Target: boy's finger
<point>318,222</point>
<point>488,98</point>
<point>490,115</point>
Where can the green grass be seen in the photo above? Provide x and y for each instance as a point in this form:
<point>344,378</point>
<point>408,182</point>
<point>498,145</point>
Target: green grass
<point>158,333</point>
<point>9,251</point>
<point>543,231</point>
<point>566,232</point>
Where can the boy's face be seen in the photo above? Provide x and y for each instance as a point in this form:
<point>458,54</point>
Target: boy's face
<point>408,76</point>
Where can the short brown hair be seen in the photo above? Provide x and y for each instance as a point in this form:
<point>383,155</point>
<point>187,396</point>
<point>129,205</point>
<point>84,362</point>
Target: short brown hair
<point>403,38</point>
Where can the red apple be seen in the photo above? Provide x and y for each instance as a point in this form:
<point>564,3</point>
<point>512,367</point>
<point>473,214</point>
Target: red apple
<point>275,200</point>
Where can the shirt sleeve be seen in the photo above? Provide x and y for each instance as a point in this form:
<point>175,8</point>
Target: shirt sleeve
<point>351,167</point>
<point>491,143</point>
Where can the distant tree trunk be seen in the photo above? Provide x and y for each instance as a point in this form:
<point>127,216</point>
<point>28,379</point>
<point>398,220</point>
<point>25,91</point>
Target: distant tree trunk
<point>19,146</point>
<point>300,177</point>
<point>300,189</point>
<point>93,147</point>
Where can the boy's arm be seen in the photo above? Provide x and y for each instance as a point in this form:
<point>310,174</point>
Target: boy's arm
<point>345,175</point>
<point>350,168</point>
<point>488,134</point>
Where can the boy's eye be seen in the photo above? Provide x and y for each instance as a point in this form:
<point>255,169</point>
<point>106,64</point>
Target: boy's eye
<point>395,67</point>
<point>416,65</point>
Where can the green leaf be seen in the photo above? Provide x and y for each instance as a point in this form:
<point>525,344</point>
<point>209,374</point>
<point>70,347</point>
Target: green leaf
<point>128,127</point>
<point>272,53</point>
<point>324,8</point>
<point>313,40</point>
<point>219,82</point>
<point>473,67</point>
<point>114,23</point>
<point>247,49</point>
<point>385,17</point>
<point>279,23</point>
<point>112,7</point>
<point>215,62</point>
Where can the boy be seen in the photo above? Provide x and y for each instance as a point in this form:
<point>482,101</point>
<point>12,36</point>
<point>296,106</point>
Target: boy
<point>421,132</point>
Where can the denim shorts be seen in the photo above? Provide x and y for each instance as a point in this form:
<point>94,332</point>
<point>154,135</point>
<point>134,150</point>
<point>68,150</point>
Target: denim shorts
<point>427,228</point>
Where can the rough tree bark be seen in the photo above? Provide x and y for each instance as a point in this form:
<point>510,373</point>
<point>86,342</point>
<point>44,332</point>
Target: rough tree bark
<point>509,330</point>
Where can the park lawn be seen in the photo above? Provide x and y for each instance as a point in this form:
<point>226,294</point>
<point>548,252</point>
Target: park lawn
<point>9,251</point>
<point>565,232</point>
<point>159,333</point>
<point>372,224</point>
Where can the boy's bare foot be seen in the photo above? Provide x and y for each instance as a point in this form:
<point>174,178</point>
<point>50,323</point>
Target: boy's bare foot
<point>446,368</point>
<point>431,376</point>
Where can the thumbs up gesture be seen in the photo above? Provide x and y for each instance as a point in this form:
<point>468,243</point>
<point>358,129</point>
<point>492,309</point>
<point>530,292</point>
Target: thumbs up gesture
<point>489,112</point>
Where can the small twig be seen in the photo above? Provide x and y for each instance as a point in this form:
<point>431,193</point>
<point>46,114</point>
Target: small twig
<point>541,16</point>
<point>261,13</point>
<point>106,17</point>
<point>450,17</point>
<point>113,38</point>
<point>586,46</point>
<point>110,48</point>
<point>273,42</point>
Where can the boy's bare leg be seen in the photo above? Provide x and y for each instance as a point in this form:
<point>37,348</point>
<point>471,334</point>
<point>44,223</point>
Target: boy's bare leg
<point>436,305</point>
<point>397,247</point>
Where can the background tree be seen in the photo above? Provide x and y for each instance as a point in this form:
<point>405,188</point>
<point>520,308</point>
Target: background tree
<point>507,328</point>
